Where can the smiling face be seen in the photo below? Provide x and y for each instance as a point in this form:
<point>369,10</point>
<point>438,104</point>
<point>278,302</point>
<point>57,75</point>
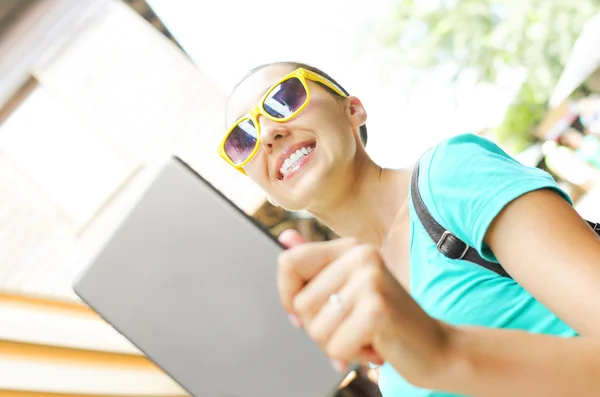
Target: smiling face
<point>302,162</point>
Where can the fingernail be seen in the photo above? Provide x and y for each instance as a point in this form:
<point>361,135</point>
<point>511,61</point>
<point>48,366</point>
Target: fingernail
<point>295,320</point>
<point>338,365</point>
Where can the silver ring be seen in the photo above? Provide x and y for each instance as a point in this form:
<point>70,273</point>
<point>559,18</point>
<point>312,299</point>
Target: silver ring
<point>336,301</point>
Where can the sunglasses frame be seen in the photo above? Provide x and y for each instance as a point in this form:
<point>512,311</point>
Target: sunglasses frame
<point>302,75</point>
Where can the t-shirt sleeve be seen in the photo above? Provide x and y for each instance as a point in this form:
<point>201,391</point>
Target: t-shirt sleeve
<point>471,180</point>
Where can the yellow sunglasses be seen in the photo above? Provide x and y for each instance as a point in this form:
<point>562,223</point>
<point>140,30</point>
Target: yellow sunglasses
<point>283,101</point>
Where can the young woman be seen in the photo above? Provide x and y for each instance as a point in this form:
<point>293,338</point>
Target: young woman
<point>300,136</point>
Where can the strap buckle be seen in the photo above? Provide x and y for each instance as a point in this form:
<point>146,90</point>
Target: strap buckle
<point>448,251</point>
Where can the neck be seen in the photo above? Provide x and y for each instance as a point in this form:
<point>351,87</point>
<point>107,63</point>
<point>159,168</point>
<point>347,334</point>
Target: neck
<point>371,202</point>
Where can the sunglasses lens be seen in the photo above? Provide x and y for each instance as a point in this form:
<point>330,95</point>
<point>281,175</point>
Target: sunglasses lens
<point>285,99</point>
<point>241,141</point>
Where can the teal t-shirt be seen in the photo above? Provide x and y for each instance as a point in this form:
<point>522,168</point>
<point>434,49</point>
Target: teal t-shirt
<point>465,182</point>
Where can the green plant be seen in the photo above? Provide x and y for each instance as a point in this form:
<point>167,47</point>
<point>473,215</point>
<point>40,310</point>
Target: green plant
<point>487,37</point>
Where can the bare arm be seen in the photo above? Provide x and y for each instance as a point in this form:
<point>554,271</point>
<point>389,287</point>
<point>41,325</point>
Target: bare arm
<point>542,242</point>
<point>546,246</point>
<point>551,251</point>
<point>498,363</point>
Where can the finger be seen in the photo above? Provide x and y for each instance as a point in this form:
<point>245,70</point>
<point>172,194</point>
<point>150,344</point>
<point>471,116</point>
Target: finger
<point>313,297</point>
<point>329,317</point>
<point>291,238</point>
<point>351,342</point>
<point>370,355</point>
<point>300,264</point>
<point>367,355</point>
<point>331,314</point>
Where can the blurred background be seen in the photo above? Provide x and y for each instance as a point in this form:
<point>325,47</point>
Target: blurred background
<point>95,94</point>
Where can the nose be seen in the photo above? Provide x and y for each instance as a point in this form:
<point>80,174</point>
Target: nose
<point>271,133</point>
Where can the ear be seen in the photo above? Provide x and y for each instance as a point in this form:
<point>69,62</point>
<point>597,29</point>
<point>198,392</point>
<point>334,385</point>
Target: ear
<point>356,111</point>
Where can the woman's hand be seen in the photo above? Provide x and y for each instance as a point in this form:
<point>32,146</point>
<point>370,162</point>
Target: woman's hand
<point>343,295</point>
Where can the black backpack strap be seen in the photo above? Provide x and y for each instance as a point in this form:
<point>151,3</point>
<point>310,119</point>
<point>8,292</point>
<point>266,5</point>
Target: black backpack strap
<point>447,243</point>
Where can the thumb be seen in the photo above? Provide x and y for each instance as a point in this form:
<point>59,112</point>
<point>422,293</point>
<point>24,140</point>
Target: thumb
<point>291,238</point>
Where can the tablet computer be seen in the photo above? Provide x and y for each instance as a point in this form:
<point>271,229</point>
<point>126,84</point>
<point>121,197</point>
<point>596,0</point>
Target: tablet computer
<point>190,280</point>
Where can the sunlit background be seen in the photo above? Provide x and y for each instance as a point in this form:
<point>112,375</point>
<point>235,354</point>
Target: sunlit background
<point>95,94</point>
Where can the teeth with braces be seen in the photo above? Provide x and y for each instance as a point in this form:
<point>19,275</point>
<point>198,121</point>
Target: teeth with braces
<point>294,159</point>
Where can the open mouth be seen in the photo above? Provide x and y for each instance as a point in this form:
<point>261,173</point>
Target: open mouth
<point>295,159</point>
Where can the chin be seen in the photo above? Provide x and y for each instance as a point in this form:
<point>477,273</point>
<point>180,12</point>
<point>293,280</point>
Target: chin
<point>307,193</point>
